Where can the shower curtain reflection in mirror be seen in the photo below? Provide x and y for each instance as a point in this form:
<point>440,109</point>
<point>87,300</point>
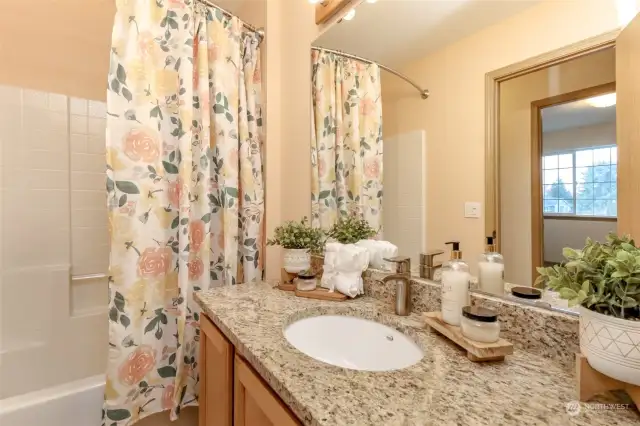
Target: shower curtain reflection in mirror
<point>346,141</point>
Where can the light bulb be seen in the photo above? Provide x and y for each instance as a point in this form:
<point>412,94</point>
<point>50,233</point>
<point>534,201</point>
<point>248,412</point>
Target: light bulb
<point>350,15</point>
<point>602,101</point>
<point>371,1</point>
<point>315,1</point>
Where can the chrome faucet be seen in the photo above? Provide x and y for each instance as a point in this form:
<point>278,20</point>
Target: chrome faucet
<point>402,276</point>
<point>428,266</point>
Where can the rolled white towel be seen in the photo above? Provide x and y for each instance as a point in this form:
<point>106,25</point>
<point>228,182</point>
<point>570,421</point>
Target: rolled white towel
<point>326,281</point>
<point>351,258</point>
<point>332,246</point>
<point>349,284</point>
<point>378,251</point>
<point>386,250</point>
<point>328,269</point>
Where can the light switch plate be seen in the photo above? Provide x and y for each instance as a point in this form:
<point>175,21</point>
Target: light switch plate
<point>472,210</point>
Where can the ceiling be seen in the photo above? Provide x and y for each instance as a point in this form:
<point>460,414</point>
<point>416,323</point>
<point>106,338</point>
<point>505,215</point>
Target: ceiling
<point>575,114</point>
<point>394,32</point>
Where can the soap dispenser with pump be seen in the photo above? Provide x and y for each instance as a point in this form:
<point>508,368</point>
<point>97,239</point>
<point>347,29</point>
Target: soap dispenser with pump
<point>455,286</point>
<point>491,270</point>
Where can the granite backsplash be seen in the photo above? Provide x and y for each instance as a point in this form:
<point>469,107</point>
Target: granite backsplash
<point>544,332</point>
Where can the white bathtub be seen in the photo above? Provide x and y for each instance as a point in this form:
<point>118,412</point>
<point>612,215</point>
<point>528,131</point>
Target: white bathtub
<point>77,403</point>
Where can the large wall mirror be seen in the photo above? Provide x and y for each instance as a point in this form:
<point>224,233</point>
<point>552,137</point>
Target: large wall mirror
<point>558,165</point>
<point>415,130</point>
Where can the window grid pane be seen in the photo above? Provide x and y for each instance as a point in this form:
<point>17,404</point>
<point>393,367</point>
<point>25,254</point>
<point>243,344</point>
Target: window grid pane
<point>582,182</point>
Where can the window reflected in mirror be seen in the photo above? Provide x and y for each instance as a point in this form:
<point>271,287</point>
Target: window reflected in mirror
<point>579,173</point>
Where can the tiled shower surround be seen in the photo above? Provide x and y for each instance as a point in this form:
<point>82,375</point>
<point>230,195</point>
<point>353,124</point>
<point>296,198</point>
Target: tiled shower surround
<point>53,220</point>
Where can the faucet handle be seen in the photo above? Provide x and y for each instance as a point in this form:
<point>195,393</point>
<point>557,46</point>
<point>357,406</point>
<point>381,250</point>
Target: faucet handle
<point>403,263</point>
<point>426,259</point>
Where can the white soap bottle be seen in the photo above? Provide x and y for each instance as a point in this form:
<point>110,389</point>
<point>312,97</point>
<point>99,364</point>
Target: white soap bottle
<point>455,286</point>
<point>491,270</point>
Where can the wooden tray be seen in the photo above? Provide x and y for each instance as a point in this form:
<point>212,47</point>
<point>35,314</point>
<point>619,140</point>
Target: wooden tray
<point>591,382</point>
<point>322,294</point>
<point>476,351</point>
<point>287,284</point>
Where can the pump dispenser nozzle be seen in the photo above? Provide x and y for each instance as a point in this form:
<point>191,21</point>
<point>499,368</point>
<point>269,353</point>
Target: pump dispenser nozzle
<point>455,253</point>
<point>491,247</point>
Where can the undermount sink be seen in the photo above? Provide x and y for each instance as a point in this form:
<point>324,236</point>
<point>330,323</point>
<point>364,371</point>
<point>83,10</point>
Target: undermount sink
<point>353,343</point>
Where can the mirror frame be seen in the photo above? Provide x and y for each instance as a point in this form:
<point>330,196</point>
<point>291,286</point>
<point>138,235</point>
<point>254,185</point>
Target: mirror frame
<point>492,105</point>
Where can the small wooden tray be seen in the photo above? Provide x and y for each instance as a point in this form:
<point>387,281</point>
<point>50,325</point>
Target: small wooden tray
<point>476,351</point>
<point>591,382</point>
<point>322,294</point>
<point>319,293</point>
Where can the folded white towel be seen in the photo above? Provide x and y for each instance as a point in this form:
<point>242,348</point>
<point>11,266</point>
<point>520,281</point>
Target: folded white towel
<point>328,269</point>
<point>332,246</point>
<point>349,284</point>
<point>351,258</point>
<point>378,251</point>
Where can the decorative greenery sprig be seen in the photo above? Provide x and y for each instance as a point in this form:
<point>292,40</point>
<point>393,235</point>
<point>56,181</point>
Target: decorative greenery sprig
<point>602,277</point>
<point>298,235</point>
<point>351,229</point>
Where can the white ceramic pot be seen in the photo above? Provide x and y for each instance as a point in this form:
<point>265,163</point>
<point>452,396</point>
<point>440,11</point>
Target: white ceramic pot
<point>611,345</point>
<point>296,260</point>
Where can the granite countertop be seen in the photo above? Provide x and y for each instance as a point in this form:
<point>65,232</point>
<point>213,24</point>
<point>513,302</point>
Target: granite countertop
<point>444,388</point>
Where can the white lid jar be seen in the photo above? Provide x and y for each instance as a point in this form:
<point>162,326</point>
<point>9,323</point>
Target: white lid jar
<point>480,324</point>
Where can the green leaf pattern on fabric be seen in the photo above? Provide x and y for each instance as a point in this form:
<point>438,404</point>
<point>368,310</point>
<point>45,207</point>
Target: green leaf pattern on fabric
<point>346,141</point>
<point>185,192</point>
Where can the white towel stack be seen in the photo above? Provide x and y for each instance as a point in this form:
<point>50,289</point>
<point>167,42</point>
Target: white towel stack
<point>343,267</point>
<point>378,251</point>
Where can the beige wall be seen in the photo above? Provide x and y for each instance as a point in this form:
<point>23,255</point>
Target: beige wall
<point>516,96</point>
<point>454,115</point>
<point>559,233</point>
<point>59,46</point>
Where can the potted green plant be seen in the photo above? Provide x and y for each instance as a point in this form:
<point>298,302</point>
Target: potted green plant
<point>604,279</point>
<point>298,239</point>
<point>351,229</point>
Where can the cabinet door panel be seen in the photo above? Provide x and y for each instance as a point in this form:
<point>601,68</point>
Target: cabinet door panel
<point>216,376</point>
<point>255,403</point>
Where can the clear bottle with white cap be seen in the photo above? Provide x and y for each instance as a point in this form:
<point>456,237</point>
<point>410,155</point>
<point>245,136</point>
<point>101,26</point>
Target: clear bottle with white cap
<point>455,286</point>
<point>491,270</point>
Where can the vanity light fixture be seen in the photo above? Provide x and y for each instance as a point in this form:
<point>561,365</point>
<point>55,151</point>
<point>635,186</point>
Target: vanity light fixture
<point>602,101</point>
<point>350,15</point>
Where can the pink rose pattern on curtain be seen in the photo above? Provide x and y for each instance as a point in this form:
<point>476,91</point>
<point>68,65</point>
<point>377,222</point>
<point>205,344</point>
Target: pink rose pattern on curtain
<point>185,192</point>
<point>346,141</point>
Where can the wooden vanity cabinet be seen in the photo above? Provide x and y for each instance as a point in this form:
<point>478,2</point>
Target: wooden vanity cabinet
<point>216,376</point>
<point>231,392</point>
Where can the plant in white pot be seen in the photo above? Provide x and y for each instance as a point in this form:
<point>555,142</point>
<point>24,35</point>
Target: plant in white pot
<point>350,229</point>
<point>298,239</point>
<point>604,279</point>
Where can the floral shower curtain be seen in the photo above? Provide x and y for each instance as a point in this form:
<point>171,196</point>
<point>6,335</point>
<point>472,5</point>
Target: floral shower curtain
<point>346,140</point>
<point>185,192</point>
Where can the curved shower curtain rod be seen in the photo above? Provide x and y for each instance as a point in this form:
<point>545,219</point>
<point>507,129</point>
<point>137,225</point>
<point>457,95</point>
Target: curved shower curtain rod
<point>424,93</point>
<point>258,31</point>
